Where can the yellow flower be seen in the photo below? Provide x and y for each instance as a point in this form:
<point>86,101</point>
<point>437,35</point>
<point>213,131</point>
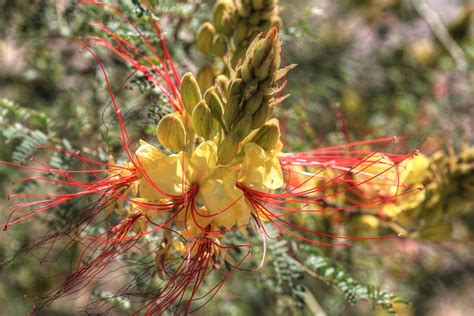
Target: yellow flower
<point>203,162</point>
<point>414,170</point>
<point>163,173</point>
<point>147,154</point>
<point>377,176</point>
<point>223,199</point>
<point>260,171</point>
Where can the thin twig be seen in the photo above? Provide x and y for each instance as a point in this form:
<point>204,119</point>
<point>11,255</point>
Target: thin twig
<point>439,30</point>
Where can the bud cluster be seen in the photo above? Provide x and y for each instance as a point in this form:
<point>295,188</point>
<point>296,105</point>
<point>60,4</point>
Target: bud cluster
<point>235,110</point>
<point>234,26</point>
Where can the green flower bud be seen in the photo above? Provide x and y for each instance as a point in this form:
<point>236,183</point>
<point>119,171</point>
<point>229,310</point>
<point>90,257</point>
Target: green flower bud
<point>268,13</point>
<point>268,135</point>
<point>227,149</point>
<point>204,38</point>
<point>221,16</point>
<point>257,4</point>
<point>241,31</point>
<point>243,127</point>
<point>252,105</point>
<point>246,71</point>
<point>215,104</point>
<point>219,45</point>
<point>190,92</point>
<point>250,89</point>
<point>236,88</point>
<point>222,83</point>
<point>205,77</point>
<point>262,72</point>
<point>232,109</point>
<point>202,120</point>
<point>171,132</point>
<point>262,115</point>
<point>244,10</point>
<point>263,47</point>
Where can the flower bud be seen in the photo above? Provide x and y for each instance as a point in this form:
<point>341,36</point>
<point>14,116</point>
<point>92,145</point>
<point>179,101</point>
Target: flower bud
<point>268,135</point>
<point>243,126</point>
<point>241,31</point>
<point>263,71</point>
<point>252,105</point>
<point>244,10</point>
<point>215,104</point>
<point>219,45</point>
<point>221,17</point>
<point>263,47</point>
<point>228,149</point>
<point>222,83</point>
<point>268,13</point>
<point>246,71</point>
<point>204,38</point>
<point>190,92</point>
<point>171,132</point>
<point>202,120</point>
<point>234,100</point>
<point>232,109</point>
<point>257,4</point>
<point>205,77</point>
<point>250,89</point>
<point>261,116</point>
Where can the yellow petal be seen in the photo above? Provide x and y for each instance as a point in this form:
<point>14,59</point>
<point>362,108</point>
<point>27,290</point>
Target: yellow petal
<point>147,154</point>
<point>203,162</point>
<point>223,199</point>
<point>414,170</point>
<point>164,174</point>
<point>377,176</point>
<point>260,171</point>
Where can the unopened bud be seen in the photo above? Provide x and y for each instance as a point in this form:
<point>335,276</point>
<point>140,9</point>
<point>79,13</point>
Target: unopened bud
<point>246,71</point>
<point>222,83</point>
<point>190,92</point>
<point>228,149</point>
<point>263,71</point>
<point>263,46</point>
<point>243,126</point>
<point>250,89</point>
<point>215,104</point>
<point>268,136</point>
<point>221,16</point>
<point>171,132</point>
<point>205,77</point>
<point>219,45</point>
<point>244,10</point>
<point>257,4</point>
<point>204,37</point>
<point>232,109</point>
<point>241,31</point>
<point>202,120</point>
<point>262,115</point>
<point>252,105</point>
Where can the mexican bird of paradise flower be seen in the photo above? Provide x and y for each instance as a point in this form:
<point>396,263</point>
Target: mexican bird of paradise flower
<point>221,171</point>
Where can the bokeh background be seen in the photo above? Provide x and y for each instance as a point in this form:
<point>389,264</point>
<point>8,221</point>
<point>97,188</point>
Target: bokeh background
<point>366,69</point>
